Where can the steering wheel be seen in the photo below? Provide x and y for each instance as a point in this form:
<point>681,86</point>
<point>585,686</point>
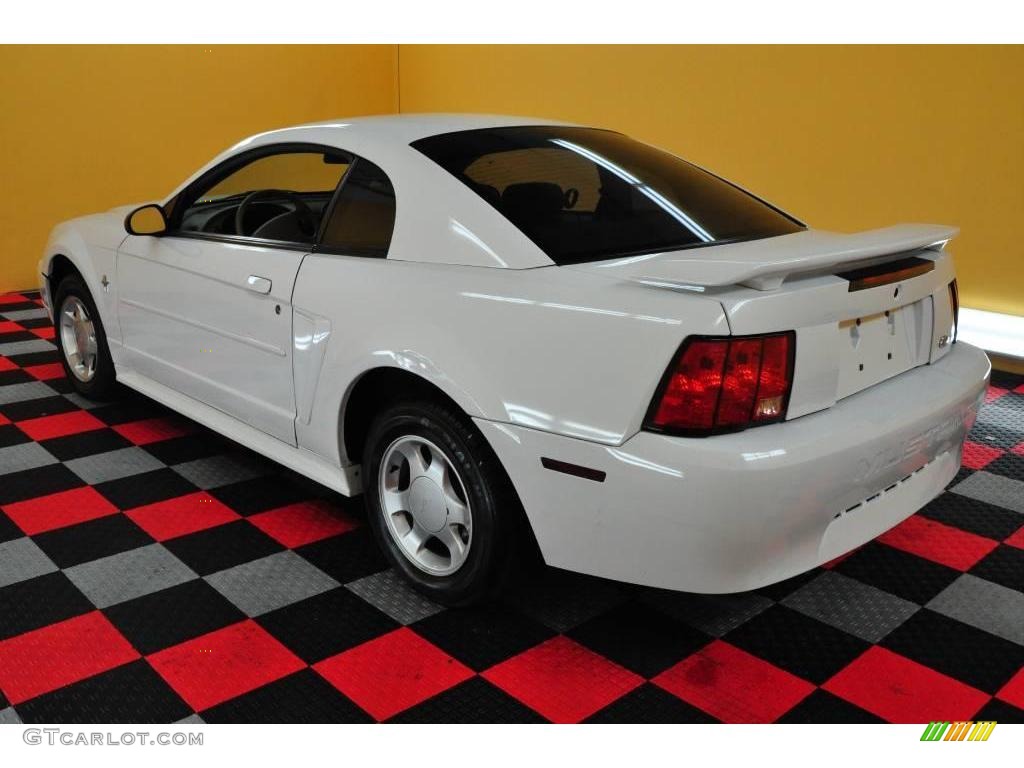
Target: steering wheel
<point>306,217</point>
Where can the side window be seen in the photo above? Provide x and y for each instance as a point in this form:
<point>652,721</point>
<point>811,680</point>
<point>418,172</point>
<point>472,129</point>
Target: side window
<point>364,215</point>
<point>281,197</point>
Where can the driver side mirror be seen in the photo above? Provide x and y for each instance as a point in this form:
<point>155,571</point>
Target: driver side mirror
<point>148,219</point>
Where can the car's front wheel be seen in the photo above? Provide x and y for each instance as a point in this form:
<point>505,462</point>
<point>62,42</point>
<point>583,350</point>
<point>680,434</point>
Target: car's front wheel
<point>439,503</point>
<point>81,340</point>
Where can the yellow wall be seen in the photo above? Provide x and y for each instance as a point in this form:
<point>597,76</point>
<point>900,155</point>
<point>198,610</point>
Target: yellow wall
<point>85,128</point>
<point>845,138</point>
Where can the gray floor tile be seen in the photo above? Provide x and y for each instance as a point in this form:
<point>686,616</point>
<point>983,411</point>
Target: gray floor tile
<point>713,614</point>
<point>191,720</point>
<point>993,489</point>
<point>26,390</point>
<point>25,314</point>
<point>82,402</point>
<point>15,458</point>
<point>388,593</point>
<point>985,605</point>
<point>9,717</point>
<point>26,347</point>
<point>215,471</point>
<point>21,559</point>
<point>271,582</point>
<point>113,465</point>
<point>115,579</point>
<point>850,605</point>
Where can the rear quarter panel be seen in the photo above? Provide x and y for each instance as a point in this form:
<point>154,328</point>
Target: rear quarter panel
<point>546,348</point>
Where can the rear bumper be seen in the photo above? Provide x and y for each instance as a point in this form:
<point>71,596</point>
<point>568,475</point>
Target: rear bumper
<point>735,512</point>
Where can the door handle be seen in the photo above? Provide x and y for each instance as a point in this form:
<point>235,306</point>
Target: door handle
<point>258,284</point>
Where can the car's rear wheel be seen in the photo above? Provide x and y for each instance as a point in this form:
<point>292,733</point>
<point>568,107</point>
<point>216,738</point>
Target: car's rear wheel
<point>81,340</point>
<point>439,503</point>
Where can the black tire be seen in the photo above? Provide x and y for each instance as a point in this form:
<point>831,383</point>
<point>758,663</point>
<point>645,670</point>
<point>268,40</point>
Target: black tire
<point>499,529</point>
<point>102,385</point>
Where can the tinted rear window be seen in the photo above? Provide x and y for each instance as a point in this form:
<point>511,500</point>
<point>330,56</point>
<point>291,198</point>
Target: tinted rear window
<point>583,194</point>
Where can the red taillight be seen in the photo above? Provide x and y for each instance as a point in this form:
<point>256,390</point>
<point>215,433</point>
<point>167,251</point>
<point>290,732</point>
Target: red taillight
<point>719,384</point>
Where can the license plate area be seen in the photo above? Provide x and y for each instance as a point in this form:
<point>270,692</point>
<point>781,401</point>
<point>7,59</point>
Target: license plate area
<point>877,347</point>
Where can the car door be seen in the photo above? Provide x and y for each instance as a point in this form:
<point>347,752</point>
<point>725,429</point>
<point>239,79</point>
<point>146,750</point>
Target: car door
<point>205,308</point>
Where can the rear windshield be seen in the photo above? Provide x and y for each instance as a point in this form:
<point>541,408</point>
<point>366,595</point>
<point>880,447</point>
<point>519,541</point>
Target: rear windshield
<point>583,194</point>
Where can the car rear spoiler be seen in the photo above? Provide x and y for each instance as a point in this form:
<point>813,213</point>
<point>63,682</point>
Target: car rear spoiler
<point>765,264</point>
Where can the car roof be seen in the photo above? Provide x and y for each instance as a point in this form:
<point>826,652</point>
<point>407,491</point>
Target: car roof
<point>403,128</point>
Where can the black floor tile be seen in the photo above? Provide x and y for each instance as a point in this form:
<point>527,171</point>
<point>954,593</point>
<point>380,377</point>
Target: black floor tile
<point>474,701</point>
<point>145,488</point>
<point>33,483</point>
<point>222,547</point>
<point>39,602</point>
<point>347,557</point>
<point>640,638</point>
<point>258,495</point>
<point>171,616</point>
<point>36,409</point>
<point>85,444</point>
<point>822,707</point>
<point>132,693</point>
<point>797,643</point>
<point>1003,565</point>
<point>973,516</point>
<point>91,540</point>
<point>481,637</point>
<point>326,624</point>
<point>958,650</point>
<point>650,704</point>
<point>900,573</point>
<point>303,697</point>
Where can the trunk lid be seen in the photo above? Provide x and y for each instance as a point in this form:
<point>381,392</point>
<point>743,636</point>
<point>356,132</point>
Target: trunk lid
<point>865,306</point>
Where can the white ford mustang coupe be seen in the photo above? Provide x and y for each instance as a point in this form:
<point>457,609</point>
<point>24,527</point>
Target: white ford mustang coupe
<point>515,333</point>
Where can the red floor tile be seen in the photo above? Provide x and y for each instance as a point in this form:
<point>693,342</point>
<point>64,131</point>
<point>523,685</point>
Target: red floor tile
<point>7,365</point>
<point>223,664</point>
<point>12,298</point>
<point>903,691</point>
<point>46,371</point>
<point>979,455</point>
<point>4,420</point>
<point>994,393</point>
<point>58,510</point>
<point>46,332</point>
<point>1017,539</point>
<point>61,654</point>
<point>563,680</point>
<point>938,542</point>
<point>149,431</point>
<point>59,425</point>
<point>9,326</point>
<point>303,523</point>
<point>392,672</point>
<point>1013,691</point>
<point>1018,448</point>
<point>734,686</point>
<point>185,514</point>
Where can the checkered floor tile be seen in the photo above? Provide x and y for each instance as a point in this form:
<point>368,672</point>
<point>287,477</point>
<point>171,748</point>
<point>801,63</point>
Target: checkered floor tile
<point>153,571</point>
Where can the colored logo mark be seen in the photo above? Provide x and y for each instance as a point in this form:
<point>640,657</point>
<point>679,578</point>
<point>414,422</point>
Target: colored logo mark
<point>959,731</point>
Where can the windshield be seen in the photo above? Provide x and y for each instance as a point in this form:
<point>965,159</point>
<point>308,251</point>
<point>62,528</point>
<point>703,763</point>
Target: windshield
<point>583,194</point>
